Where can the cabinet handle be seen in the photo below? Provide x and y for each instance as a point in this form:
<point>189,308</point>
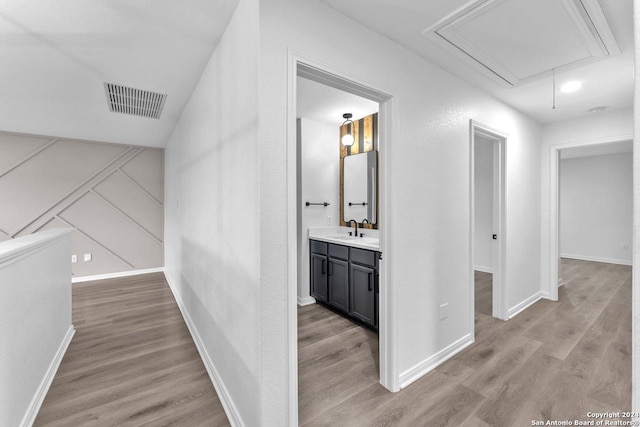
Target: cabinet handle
<point>370,286</point>
<point>323,269</point>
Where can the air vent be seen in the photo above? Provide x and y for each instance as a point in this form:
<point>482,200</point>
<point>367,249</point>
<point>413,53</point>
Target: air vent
<point>137,102</point>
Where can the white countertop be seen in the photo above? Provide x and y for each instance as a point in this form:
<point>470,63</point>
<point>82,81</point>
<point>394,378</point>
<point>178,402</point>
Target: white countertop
<point>340,236</point>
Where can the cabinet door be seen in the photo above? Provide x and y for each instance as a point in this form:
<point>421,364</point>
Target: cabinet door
<point>363,284</point>
<point>319,276</point>
<point>339,284</point>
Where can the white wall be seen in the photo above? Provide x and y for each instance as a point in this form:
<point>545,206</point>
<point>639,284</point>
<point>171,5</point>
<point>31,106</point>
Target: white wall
<point>212,253</point>
<point>483,181</point>
<point>596,204</point>
<point>615,125</point>
<point>35,320</point>
<point>319,182</point>
<point>428,183</point>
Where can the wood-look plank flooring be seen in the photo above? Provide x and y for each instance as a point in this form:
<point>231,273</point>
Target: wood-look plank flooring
<point>484,293</point>
<point>554,361</point>
<point>132,362</point>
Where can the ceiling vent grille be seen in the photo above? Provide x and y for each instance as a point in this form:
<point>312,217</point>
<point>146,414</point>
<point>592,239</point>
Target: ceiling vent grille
<point>137,102</point>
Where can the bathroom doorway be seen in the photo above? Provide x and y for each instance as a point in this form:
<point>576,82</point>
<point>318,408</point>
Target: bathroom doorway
<point>384,356</point>
<point>488,231</point>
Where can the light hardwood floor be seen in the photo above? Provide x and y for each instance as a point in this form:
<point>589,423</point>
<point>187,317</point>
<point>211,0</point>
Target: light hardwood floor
<point>554,361</point>
<point>132,362</point>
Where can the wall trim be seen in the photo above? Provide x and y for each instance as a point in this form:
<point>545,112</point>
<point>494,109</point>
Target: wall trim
<point>523,305</point>
<point>117,274</point>
<point>433,361</point>
<point>483,269</point>
<point>302,301</point>
<point>34,407</point>
<point>223,394</point>
<point>596,259</point>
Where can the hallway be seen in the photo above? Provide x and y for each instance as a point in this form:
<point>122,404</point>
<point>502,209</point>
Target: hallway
<point>132,361</point>
<point>554,361</point>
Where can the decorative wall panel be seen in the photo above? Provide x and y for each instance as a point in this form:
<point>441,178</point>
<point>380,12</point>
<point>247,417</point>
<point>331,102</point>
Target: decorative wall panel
<point>111,194</point>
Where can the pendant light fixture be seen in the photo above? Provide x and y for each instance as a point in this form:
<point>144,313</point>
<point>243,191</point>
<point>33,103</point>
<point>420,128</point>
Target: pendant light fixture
<point>347,138</point>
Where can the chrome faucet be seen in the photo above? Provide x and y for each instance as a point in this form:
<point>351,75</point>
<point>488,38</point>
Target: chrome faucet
<point>356,223</point>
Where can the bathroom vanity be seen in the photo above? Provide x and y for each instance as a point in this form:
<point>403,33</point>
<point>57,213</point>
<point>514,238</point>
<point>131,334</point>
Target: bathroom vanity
<point>344,275</point>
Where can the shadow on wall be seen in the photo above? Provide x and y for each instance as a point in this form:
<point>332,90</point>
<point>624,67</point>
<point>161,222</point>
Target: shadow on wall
<point>213,292</point>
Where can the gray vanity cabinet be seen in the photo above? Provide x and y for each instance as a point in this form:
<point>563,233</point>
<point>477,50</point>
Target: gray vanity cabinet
<point>339,283</point>
<point>363,270</point>
<point>346,278</point>
<point>319,277</point>
<point>363,294</point>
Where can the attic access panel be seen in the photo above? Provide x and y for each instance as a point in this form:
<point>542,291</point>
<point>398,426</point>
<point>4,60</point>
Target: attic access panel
<point>137,102</point>
<point>518,41</point>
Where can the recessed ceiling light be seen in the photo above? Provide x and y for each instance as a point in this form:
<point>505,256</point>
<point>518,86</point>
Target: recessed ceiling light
<point>571,86</point>
<point>597,109</point>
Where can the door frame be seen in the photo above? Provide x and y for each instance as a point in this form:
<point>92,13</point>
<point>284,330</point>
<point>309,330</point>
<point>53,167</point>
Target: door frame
<point>554,205</point>
<point>499,303</point>
<point>300,65</point>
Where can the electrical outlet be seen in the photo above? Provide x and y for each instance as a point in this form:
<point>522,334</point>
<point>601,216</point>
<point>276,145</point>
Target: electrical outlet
<point>444,311</point>
<point>74,258</point>
<point>87,257</point>
<point>625,246</point>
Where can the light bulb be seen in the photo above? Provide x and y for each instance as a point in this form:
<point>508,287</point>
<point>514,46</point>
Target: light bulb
<point>347,140</point>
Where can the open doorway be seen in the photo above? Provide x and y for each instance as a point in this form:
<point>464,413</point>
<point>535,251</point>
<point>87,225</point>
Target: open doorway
<point>487,222</point>
<point>594,208</point>
<point>599,233</point>
<point>338,346</point>
<point>380,350</point>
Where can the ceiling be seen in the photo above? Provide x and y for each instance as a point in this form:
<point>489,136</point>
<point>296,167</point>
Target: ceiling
<point>57,55</point>
<point>326,104</point>
<point>508,48</point>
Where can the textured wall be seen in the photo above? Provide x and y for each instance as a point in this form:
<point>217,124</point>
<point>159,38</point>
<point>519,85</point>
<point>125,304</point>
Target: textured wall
<point>427,181</point>
<point>112,194</point>
<point>213,218</point>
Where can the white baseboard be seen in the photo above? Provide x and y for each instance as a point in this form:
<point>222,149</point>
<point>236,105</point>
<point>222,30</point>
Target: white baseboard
<point>34,407</point>
<point>596,259</point>
<point>223,394</point>
<point>430,363</point>
<point>483,269</point>
<point>520,307</point>
<point>116,275</point>
<point>302,301</point>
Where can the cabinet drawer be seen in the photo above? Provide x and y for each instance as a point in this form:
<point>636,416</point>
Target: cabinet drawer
<point>363,256</point>
<point>338,251</point>
<point>318,247</point>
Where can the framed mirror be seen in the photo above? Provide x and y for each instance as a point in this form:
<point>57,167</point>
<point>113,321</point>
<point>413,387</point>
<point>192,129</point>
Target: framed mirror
<point>359,197</point>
